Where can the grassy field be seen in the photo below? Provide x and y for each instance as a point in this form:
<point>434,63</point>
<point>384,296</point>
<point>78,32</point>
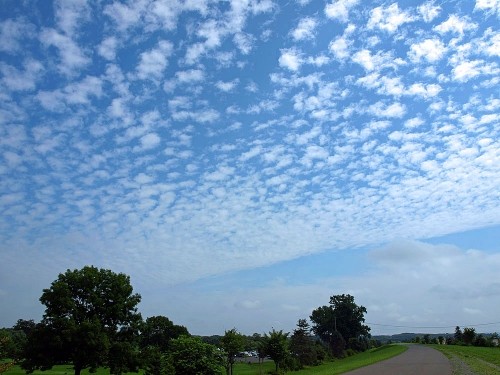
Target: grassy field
<point>329,368</point>
<point>484,361</point>
<point>62,370</point>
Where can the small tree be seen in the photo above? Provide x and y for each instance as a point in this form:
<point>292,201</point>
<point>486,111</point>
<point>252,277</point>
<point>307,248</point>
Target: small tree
<point>302,344</point>
<point>458,334</point>
<point>232,343</point>
<point>469,335</point>
<point>277,347</point>
<point>191,356</point>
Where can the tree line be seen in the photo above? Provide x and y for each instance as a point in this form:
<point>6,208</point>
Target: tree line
<point>91,320</point>
<point>465,337</point>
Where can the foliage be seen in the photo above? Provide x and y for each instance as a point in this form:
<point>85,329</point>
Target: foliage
<point>458,334</point>
<point>303,347</point>
<point>469,335</point>
<point>158,331</point>
<point>339,366</point>
<point>276,347</point>
<point>4,343</point>
<point>191,356</point>
<point>156,362</point>
<point>483,361</point>
<point>90,320</point>
<point>232,343</point>
<point>339,321</point>
<point>19,335</point>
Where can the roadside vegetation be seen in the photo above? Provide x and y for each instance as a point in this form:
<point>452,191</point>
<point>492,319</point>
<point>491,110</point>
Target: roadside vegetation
<point>481,360</point>
<point>468,351</point>
<point>331,367</point>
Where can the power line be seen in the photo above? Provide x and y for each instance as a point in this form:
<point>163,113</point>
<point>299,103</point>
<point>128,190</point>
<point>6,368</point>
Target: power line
<point>432,327</point>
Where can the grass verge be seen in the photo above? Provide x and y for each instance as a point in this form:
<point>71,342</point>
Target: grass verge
<point>330,368</point>
<point>484,361</point>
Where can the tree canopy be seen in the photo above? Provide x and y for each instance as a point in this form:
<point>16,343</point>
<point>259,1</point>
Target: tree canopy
<point>158,331</point>
<point>276,347</point>
<point>90,320</point>
<point>232,343</point>
<point>191,356</point>
<point>343,318</point>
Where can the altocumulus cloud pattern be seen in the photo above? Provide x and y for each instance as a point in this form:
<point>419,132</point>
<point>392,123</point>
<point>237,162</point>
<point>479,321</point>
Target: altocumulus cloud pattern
<point>181,139</point>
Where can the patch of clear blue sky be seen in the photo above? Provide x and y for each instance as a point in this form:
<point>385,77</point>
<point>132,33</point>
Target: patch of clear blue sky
<point>484,239</point>
<point>336,263</point>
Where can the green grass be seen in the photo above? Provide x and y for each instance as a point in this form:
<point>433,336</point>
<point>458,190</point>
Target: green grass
<point>61,370</point>
<point>480,360</point>
<point>330,368</point>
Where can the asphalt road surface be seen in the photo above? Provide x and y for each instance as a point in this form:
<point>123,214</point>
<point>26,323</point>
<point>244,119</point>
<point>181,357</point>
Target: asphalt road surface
<point>417,360</point>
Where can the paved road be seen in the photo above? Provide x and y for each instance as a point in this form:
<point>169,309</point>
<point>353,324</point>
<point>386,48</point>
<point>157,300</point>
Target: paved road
<point>417,360</point>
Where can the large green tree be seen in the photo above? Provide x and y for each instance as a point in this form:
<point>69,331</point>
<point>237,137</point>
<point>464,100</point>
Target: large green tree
<point>232,343</point>
<point>341,320</point>
<point>90,320</point>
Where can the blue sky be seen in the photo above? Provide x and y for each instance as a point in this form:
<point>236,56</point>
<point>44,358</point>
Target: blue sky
<point>244,160</point>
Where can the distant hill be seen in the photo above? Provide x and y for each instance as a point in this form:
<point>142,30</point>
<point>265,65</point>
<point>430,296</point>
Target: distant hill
<point>408,336</point>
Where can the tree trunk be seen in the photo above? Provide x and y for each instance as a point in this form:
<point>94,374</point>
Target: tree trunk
<point>78,370</point>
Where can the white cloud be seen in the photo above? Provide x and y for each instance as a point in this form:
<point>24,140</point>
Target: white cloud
<point>431,50</point>
<point>107,48</point>
<point>455,24</point>
<point>227,86</point>
<point>318,61</point>
<point>379,109</point>
<point>305,29</point>
<point>22,80</point>
<point>414,122</point>
<point>466,70</point>
<point>340,48</point>
<point>244,42</point>
<point>339,9</point>
<point>153,63</point>
<point>378,61</point>
<point>126,16</point>
<point>490,6</point>
<point>71,14</point>
<point>77,93</point>
<point>12,31</point>
<point>73,57</point>
<point>425,91</point>
<point>429,11</point>
<point>290,59</point>
<point>188,76</point>
<point>150,141</point>
<point>388,19</point>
